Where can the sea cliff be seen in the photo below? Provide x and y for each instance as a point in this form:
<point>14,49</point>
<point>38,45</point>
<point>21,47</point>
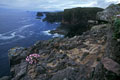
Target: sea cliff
<point>73,21</point>
<point>92,55</point>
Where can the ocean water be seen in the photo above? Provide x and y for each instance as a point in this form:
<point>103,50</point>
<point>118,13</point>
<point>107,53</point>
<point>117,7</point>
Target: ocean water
<point>21,28</point>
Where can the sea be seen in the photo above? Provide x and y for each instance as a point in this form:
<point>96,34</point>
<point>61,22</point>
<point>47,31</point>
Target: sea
<point>21,29</point>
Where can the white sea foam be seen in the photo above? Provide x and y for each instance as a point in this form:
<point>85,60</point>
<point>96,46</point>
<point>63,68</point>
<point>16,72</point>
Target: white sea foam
<point>19,29</point>
<point>12,34</point>
<point>46,32</point>
<point>21,36</point>
<point>26,26</point>
<point>53,35</point>
<point>57,35</point>
<point>57,23</point>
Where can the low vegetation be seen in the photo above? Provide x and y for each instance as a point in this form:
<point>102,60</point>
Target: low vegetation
<point>117,29</point>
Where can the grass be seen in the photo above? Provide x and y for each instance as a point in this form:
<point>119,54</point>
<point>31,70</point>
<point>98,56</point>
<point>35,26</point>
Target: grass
<point>116,29</point>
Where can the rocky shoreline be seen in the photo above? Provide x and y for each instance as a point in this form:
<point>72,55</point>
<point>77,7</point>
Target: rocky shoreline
<point>80,57</point>
<point>93,55</point>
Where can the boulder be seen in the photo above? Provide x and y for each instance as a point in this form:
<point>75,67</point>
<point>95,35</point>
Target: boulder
<point>111,65</point>
<point>19,70</point>
<point>109,13</point>
<point>16,54</point>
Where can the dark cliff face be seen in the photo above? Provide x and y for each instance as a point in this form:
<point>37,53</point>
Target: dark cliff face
<point>77,19</point>
<point>76,15</point>
<point>73,21</point>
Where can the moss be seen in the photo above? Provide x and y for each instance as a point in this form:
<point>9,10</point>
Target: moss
<point>116,29</point>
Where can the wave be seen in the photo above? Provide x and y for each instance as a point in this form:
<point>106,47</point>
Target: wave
<point>19,29</point>
<point>53,35</point>
<point>12,34</point>
<point>7,37</point>
<point>46,32</point>
<point>57,35</point>
<point>22,28</point>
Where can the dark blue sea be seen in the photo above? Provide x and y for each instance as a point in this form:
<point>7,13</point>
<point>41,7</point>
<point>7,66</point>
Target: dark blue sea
<point>21,28</point>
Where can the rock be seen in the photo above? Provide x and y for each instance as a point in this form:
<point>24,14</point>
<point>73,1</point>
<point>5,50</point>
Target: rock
<point>92,22</point>
<point>109,13</point>
<point>111,65</point>
<point>16,54</point>
<point>98,27</point>
<point>20,71</point>
<point>59,31</point>
<point>84,55</point>
<point>66,74</point>
<point>40,70</point>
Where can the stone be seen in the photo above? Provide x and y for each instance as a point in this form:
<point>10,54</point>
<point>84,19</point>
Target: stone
<point>65,74</point>
<point>84,55</point>
<point>111,65</point>
<point>109,13</point>
<point>16,54</point>
<point>21,71</point>
<point>40,70</point>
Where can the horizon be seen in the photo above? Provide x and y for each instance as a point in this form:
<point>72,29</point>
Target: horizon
<point>54,5</point>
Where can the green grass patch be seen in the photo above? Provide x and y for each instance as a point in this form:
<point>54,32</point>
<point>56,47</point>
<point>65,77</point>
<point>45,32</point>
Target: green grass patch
<point>116,29</point>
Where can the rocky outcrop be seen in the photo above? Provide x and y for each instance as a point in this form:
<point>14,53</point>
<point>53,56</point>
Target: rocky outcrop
<point>15,55</point>
<point>80,57</point>
<point>109,13</point>
<point>115,67</point>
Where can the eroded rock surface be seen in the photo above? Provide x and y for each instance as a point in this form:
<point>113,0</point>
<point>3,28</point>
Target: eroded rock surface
<point>77,58</point>
<point>109,13</point>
